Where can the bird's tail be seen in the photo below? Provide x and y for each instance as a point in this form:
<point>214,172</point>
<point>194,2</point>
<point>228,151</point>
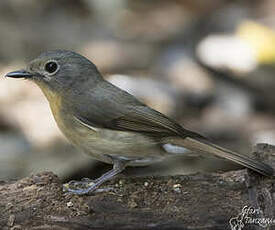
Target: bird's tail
<point>204,146</point>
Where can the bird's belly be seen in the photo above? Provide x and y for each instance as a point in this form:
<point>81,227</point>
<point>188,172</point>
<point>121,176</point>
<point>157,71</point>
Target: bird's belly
<point>105,144</point>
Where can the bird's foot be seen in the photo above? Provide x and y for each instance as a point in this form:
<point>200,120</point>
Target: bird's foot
<point>85,186</point>
<point>84,182</point>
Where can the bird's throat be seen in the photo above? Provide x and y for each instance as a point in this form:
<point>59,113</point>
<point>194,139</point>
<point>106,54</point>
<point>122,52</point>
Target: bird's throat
<point>54,98</point>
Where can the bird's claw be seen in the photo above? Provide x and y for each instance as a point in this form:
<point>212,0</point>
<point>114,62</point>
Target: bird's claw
<point>83,187</point>
<point>84,183</point>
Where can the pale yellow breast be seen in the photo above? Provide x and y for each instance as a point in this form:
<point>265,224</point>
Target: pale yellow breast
<point>101,143</point>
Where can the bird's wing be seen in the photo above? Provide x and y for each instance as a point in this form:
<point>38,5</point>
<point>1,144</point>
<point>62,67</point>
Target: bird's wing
<point>117,110</point>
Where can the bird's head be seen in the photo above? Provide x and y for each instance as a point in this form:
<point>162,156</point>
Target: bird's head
<point>59,70</point>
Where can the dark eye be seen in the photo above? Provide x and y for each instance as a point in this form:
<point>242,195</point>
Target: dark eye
<point>51,67</point>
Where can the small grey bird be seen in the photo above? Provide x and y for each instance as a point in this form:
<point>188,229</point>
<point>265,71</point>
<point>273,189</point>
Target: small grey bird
<point>110,124</point>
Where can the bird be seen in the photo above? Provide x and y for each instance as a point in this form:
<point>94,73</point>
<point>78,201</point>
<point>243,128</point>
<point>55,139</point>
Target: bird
<point>111,125</point>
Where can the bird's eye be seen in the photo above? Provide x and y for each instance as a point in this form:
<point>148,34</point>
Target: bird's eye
<point>51,67</point>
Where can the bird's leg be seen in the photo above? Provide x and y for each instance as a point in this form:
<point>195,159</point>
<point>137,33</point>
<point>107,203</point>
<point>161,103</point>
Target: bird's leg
<point>88,186</point>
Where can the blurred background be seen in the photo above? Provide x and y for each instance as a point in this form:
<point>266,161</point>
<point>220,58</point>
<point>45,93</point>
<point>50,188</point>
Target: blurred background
<point>207,64</point>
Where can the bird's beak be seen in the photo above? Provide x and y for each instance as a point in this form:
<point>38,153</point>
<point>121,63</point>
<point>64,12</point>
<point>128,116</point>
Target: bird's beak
<point>19,74</point>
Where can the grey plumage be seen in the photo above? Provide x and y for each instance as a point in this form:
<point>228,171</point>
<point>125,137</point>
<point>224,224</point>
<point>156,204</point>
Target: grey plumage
<point>110,124</point>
